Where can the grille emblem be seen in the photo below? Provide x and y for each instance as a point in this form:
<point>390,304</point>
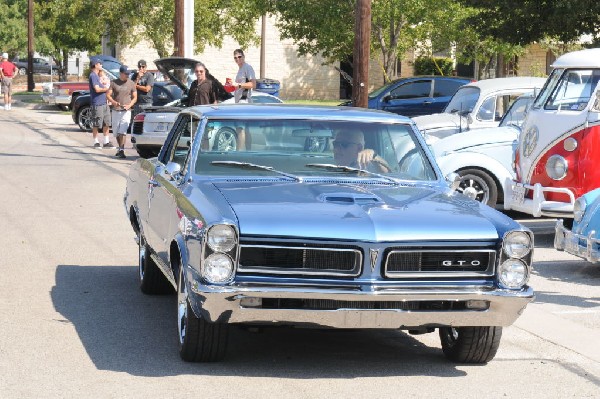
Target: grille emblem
<point>530,141</point>
<point>473,263</point>
<point>374,254</point>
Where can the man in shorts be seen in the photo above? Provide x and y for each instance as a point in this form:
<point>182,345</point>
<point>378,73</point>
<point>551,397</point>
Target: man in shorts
<point>122,95</point>
<point>7,72</point>
<point>100,111</point>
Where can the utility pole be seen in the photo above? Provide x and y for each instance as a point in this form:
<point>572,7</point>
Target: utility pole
<point>263,45</point>
<point>362,40</point>
<point>30,82</point>
<point>179,37</point>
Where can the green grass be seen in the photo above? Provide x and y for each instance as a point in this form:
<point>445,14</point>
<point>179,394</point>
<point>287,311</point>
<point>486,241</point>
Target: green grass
<point>313,102</point>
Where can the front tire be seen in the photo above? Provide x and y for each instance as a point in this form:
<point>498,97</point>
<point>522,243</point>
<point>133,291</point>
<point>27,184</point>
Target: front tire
<point>152,280</point>
<point>84,118</point>
<point>199,340</point>
<point>470,344</point>
<point>478,185</point>
<point>22,71</point>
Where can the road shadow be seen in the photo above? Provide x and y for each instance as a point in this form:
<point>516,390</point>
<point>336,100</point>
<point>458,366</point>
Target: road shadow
<point>124,330</point>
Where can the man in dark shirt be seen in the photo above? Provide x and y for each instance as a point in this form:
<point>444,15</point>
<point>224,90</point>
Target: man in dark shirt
<point>100,110</point>
<point>202,89</point>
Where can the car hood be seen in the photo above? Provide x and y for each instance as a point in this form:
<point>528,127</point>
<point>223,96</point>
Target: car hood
<point>356,212</point>
<point>440,125</point>
<point>168,65</point>
<point>475,138</point>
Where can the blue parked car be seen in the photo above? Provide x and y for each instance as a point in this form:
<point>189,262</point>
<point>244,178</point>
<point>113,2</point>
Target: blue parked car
<point>419,95</point>
<point>320,217</point>
<point>583,239</point>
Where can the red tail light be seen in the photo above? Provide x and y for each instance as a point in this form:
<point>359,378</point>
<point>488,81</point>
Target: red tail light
<point>139,117</point>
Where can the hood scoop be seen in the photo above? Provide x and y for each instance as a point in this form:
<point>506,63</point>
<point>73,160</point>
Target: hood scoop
<point>350,199</point>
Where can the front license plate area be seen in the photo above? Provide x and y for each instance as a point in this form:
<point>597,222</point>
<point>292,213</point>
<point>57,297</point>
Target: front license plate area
<point>518,193</point>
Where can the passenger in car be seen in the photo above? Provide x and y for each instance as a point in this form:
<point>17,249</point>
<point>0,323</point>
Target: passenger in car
<point>349,150</point>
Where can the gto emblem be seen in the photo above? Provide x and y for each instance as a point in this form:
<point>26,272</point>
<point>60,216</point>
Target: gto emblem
<point>461,263</point>
<point>374,254</point>
<point>530,141</point>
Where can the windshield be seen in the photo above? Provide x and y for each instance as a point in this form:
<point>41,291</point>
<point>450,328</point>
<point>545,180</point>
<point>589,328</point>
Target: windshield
<point>312,149</point>
<point>463,101</point>
<point>517,111</point>
<point>568,90</point>
<point>383,88</point>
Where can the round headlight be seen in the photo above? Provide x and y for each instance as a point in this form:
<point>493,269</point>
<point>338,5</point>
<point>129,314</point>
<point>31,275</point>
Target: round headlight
<point>557,167</point>
<point>579,209</point>
<point>221,238</point>
<point>217,268</point>
<point>513,273</point>
<point>517,244</point>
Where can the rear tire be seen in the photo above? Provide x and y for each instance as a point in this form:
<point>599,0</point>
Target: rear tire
<point>199,340</point>
<point>470,344</point>
<point>152,280</point>
<point>22,71</point>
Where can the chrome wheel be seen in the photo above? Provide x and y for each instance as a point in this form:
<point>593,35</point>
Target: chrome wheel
<point>182,309</point>
<point>84,119</point>
<point>225,140</point>
<point>22,71</point>
<point>478,185</point>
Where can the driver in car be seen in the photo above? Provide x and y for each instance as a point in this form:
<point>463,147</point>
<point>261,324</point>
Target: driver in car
<point>349,150</point>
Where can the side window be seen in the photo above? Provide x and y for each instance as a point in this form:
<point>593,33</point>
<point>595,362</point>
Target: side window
<point>445,87</point>
<point>180,144</point>
<point>493,108</point>
<point>416,89</point>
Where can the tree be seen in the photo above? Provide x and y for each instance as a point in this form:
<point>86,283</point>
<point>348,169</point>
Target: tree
<point>13,35</point>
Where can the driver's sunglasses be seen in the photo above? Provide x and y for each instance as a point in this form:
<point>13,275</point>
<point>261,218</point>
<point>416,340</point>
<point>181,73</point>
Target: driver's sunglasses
<point>342,144</point>
<point>237,57</point>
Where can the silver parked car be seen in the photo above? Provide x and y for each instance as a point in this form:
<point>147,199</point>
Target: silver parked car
<point>359,232</point>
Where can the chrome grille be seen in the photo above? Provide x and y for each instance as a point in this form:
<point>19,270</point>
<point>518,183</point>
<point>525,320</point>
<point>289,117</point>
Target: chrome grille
<point>303,260</point>
<point>440,262</point>
<point>330,304</point>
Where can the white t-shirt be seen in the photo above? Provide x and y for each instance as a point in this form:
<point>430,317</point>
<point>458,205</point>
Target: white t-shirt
<point>245,74</point>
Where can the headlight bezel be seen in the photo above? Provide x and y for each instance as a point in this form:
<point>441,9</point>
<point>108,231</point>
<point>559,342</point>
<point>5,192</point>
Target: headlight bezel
<point>517,235</point>
<point>504,269</point>
<point>579,209</point>
<point>213,248</point>
<point>551,167</point>
<point>209,263</point>
<point>221,230</point>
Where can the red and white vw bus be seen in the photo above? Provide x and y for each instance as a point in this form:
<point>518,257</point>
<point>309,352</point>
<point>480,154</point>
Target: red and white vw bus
<point>558,155</point>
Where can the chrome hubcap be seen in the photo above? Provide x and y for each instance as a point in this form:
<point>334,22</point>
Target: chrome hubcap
<point>182,309</point>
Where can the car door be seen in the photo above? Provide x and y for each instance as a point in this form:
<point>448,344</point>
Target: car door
<point>411,98</point>
<point>164,188</point>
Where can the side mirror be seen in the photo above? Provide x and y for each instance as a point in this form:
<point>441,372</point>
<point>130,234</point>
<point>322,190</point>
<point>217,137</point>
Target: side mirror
<point>387,98</point>
<point>172,170</point>
<point>453,180</point>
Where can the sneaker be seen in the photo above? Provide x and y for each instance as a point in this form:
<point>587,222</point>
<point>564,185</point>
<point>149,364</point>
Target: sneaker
<point>108,145</point>
<point>96,145</point>
<point>121,154</point>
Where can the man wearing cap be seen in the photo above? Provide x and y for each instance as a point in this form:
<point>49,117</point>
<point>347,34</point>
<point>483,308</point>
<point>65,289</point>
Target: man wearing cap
<point>122,94</point>
<point>100,111</point>
<point>7,71</point>
<point>144,81</point>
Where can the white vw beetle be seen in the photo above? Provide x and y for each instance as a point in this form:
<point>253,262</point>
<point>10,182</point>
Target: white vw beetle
<point>482,158</point>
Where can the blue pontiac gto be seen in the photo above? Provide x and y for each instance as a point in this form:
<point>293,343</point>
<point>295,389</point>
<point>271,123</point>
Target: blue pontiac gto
<point>328,217</point>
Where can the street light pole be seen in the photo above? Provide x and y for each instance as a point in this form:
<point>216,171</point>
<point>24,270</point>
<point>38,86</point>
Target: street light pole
<point>362,41</point>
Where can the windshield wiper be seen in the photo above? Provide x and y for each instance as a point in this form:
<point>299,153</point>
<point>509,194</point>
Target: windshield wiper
<point>248,165</point>
<point>339,168</point>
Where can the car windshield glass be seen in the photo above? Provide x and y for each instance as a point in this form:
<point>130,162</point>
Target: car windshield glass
<point>377,92</point>
<point>293,147</point>
<point>463,101</point>
<point>573,90</point>
<point>112,67</point>
<point>517,111</point>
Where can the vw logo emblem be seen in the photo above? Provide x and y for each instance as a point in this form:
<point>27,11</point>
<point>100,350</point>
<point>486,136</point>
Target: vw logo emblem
<point>530,141</point>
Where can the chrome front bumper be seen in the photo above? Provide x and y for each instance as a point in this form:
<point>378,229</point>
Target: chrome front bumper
<point>61,100</point>
<point>584,246</point>
<point>538,205</point>
<point>223,304</point>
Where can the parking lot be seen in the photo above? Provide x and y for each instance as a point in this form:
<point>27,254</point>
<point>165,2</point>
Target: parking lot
<point>74,322</point>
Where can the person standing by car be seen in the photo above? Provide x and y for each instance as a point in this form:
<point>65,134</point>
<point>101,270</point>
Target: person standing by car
<point>245,80</point>
<point>202,90</point>
<point>144,82</point>
<point>122,94</point>
<point>100,111</point>
<point>7,71</point>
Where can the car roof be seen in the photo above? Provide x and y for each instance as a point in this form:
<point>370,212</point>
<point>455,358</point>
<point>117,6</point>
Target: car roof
<point>589,58</point>
<point>515,82</point>
<point>293,111</point>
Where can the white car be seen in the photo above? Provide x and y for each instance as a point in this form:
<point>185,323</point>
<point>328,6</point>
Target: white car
<point>483,158</point>
<point>151,127</point>
<point>476,105</point>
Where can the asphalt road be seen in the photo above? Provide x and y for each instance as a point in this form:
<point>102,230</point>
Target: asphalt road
<point>74,324</point>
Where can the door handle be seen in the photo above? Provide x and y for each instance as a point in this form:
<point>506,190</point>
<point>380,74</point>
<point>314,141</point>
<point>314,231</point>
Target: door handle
<point>427,102</point>
<point>153,183</point>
